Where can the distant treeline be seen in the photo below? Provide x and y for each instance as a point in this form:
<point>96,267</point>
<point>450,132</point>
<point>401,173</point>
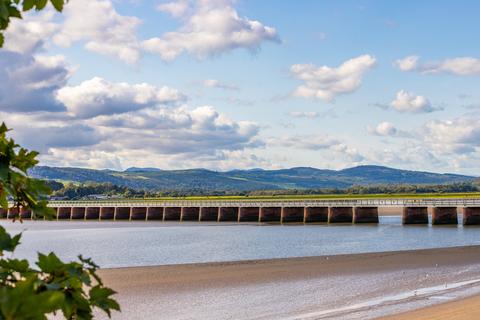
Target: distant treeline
<point>98,190</point>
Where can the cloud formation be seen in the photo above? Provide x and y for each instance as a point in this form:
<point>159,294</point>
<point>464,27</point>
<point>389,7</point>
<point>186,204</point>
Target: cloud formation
<point>102,28</point>
<point>326,83</point>
<point>98,96</point>
<point>384,129</point>
<point>209,28</point>
<point>29,83</point>
<point>304,114</point>
<point>408,102</point>
<point>460,135</point>
<point>462,66</point>
<point>213,83</point>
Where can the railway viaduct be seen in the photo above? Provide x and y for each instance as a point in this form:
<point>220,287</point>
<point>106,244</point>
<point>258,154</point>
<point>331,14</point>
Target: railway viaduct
<point>414,211</point>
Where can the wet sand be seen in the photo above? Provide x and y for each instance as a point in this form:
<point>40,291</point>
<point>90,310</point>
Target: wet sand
<point>463,309</point>
<point>301,286</point>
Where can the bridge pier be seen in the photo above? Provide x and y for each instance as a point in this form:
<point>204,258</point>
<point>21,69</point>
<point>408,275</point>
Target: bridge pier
<point>25,213</point>
<point>92,213</point>
<point>292,214</point>
<point>208,214</point>
<point>78,213</point>
<point>228,214</point>
<point>172,213</point>
<point>246,214</point>
<point>190,214</point>
<point>3,213</point>
<point>12,212</point>
<point>138,213</point>
<point>122,213</point>
<point>64,213</point>
<point>444,215</point>
<point>270,214</point>
<point>107,213</point>
<point>365,215</point>
<point>316,214</point>
<point>415,215</point>
<point>471,216</point>
<point>155,213</point>
<point>340,215</point>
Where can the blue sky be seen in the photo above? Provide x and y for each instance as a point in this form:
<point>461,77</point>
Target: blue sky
<point>226,84</point>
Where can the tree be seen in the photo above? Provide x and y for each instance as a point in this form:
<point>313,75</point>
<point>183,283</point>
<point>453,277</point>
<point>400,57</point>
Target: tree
<point>73,288</point>
<point>52,287</point>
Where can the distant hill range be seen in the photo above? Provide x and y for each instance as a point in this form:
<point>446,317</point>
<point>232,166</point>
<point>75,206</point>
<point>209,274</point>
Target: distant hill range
<point>248,180</point>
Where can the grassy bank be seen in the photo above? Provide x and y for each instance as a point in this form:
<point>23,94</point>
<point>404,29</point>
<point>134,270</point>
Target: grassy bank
<point>315,197</point>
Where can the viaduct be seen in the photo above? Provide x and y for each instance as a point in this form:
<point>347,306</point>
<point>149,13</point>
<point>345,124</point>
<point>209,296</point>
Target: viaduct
<point>415,211</point>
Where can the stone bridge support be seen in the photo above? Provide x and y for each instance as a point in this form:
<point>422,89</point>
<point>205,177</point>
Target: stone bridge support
<point>190,214</point>
<point>316,214</point>
<point>228,214</point>
<point>3,213</point>
<point>471,216</point>
<point>208,214</point>
<point>78,213</point>
<point>155,213</point>
<point>92,213</point>
<point>340,215</point>
<point>172,213</point>
<point>365,215</point>
<point>292,214</point>
<point>138,213</point>
<point>415,215</point>
<point>248,214</point>
<point>64,213</point>
<point>12,212</point>
<point>444,215</point>
<point>122,213</point>
<point>270,214</point>
<point>107,213</point>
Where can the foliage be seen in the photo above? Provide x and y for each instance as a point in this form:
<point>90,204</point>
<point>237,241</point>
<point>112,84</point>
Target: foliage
<point>72,288</point>
<point>13,9</point>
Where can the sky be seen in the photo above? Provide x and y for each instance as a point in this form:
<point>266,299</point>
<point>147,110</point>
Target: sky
<point>225,84</point>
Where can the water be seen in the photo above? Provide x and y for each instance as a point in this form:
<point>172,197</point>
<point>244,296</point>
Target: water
<point>123,244</point>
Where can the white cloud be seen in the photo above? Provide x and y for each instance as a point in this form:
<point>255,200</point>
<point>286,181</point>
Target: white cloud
<point>308,142</point>
<point>408,63</point>
<point>177,8</point>
<point>213,83</point>
<point>384,129</point>
<point>304,114</point>
<point>210,28</point>
<point>102,27</point>
<point>408,102</point>
<point>29,83</point>
<point>462,66</point>
<point>326,83</point>
<point>100,97</point>
<point>29,34</point>
<point>460,135</point>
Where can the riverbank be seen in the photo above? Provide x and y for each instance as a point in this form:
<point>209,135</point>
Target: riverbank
<point>296,288</point>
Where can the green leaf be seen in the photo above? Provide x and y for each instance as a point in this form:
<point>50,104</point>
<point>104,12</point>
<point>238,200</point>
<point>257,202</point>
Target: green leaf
<point>2,39</point>
<point>28,4</point>
<point>57,4</point>
<point>49,263</point>
<point>14,12</point>
<point>40,4</point>
<point>8,243</point>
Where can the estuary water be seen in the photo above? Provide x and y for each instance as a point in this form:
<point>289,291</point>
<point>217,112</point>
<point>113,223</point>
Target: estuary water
<point>126,244</point>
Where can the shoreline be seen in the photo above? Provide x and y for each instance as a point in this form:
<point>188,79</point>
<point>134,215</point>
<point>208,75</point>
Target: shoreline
<point>306,285</point>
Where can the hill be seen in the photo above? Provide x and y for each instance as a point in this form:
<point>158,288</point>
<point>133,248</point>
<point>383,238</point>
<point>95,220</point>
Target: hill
<point>202,179</point>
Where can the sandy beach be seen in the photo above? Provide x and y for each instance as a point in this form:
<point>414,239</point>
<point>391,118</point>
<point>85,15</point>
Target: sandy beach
<point>306,288</point>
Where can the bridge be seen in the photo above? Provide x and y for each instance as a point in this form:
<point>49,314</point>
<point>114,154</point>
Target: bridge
<point>414,211</point>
